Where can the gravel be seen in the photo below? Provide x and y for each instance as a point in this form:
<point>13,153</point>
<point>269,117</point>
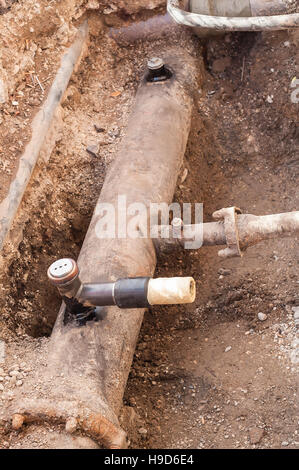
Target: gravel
<point>262,316</point>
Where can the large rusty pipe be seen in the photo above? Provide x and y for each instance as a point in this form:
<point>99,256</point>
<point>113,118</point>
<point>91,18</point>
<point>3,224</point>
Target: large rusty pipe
<point>90,365</point>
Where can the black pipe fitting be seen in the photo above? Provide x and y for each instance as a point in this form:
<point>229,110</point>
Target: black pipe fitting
<point>81,299</point>
<point>131,292</point>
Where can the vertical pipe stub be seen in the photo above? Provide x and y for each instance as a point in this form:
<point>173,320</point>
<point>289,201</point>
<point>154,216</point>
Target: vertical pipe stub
<point>157,71</point>
<point>177,227</point>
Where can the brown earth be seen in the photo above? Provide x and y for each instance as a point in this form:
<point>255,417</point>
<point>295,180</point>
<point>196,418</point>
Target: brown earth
<point>207,375</point>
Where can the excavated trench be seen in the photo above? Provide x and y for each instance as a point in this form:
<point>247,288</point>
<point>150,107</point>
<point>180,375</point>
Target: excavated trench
<point>237,140</point>
<point>59,201</point>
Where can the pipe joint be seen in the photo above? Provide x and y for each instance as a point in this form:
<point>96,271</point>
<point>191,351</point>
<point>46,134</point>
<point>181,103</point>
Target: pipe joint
<point>229,216</point>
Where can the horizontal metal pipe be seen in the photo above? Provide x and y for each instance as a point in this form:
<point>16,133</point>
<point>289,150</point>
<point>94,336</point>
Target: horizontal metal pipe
<point>140,292</point>
<point>150,29</point>
<point>251,229</point>
<point>100,294</point>
<point>254,229</point>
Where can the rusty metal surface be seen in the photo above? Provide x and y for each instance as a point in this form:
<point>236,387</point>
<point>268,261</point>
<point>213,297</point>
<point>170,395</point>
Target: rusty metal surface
<point>237,231</point>
<point>229,216</point>
<point>90,364</point>
<point>254,229</point>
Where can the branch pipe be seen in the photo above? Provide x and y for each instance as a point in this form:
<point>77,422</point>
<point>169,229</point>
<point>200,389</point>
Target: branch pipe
<point>237,231</point>
<point>139,292</point>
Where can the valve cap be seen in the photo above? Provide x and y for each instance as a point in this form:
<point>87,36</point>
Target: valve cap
<point>155,63</point>
<point>63,271</point>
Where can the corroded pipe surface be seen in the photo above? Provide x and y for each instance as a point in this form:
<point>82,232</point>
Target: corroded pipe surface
<point>250,229</point>
<point>90,364</point>
<point>149,29</point>
<point>254,229</point>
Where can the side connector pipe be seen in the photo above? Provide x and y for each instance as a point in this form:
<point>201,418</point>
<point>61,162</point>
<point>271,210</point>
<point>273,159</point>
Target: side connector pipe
<point>235,230</point>
<point>139,292</point>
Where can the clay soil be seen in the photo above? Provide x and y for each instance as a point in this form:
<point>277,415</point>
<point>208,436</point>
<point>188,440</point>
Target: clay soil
<point>207,375</point>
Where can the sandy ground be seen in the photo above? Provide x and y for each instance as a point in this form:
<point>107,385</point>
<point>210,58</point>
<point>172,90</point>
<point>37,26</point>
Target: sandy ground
<point>209,375</point>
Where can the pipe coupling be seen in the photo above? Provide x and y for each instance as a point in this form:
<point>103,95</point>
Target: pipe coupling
<point>229,216</point>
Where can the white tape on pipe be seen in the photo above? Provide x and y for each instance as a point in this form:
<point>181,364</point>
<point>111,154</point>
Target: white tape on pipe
<point>172,290</point>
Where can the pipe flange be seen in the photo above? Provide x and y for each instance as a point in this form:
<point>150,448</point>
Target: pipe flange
<point>229,217</point>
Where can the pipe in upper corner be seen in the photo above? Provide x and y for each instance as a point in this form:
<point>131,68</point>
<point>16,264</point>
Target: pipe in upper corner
<point>195,14</point>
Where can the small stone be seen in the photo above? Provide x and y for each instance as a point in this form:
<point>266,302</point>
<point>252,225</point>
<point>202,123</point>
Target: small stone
<point>269,99</point>
<point>296,313</point>
<point>71,425</point>
<point>1,379</point>
<point>184,175</point>
<point>3,92</point>
<point>14,373</point>
<point>98,128</point>
<point>224,272</point>
<point>255,435</point>
<point>262,316</point>
<point>19,383</point>
<point>142,431</point>
<point>13,380</point>
<point>93,150</point>
<point>114,132</point>
<point>34,102</point>
<point>284,443</point>
<point>17,421</point>
<point>1,388</point>
<point>92,5</point>
<point>15,103</point>
<point>228,348</point>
